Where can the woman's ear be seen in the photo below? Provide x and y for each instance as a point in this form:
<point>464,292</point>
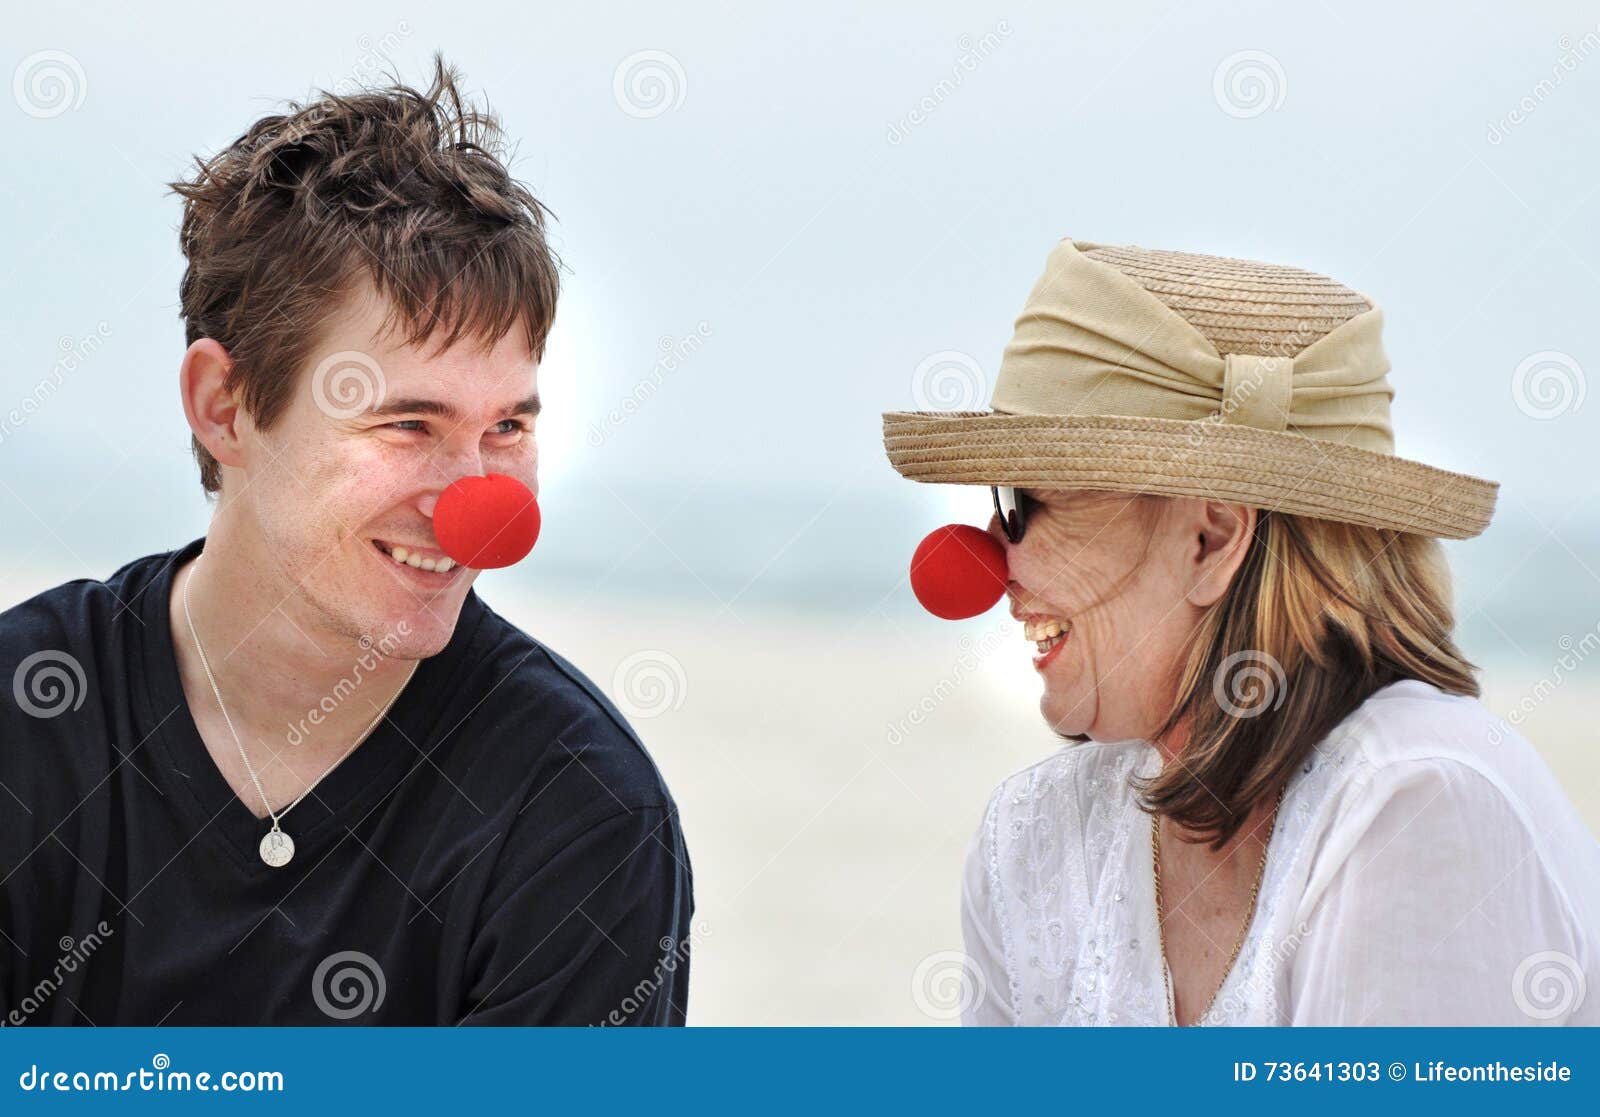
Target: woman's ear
<point>208,404</point>
<point>1221,534</point>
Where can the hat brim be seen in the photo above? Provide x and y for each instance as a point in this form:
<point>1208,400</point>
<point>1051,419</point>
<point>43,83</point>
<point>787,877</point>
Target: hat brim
<point>1276,470</point>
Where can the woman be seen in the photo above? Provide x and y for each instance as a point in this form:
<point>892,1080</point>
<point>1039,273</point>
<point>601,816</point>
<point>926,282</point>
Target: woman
<point>1283,803</point>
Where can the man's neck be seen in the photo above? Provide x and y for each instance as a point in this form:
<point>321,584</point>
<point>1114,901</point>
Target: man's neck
<point>285,680</point>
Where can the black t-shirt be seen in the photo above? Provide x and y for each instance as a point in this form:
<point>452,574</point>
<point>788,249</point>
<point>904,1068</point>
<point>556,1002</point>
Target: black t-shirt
<point>501,849</point>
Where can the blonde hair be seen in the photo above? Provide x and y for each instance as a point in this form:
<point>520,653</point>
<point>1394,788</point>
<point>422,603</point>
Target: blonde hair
<point>1319,615</point>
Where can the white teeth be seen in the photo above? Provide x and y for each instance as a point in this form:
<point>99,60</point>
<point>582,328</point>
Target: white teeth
<point>1043,630</point>
<point>440,565</point>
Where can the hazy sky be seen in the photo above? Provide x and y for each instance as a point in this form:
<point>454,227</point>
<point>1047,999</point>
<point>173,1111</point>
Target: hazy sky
<point>824,198</point>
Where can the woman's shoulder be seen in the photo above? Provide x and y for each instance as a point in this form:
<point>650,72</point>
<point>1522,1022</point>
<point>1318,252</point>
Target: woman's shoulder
<point>1412,733</point>
<point>1411,718</point>
<point>1076,775</point>
<point>1050,824</point>
<point>1411,726</point>
<point>1034,861</point>
<point>1416,772</point>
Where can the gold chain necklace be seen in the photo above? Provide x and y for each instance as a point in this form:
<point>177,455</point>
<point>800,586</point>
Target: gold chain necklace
<point>1244,930</point>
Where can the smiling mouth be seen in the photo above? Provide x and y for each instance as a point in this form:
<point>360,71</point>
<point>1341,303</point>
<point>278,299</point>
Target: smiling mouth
<point>1046,633</point>
<point>418,558</point>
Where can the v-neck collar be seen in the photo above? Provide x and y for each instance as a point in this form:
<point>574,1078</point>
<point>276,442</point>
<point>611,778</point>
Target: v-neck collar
<point>342,798</point>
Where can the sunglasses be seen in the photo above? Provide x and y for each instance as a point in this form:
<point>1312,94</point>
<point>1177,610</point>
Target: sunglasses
<point>1010,504</point>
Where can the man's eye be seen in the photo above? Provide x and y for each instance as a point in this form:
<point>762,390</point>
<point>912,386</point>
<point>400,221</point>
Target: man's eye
<point>511,426</point>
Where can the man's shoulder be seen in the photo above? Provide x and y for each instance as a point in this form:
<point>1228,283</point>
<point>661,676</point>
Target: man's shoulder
<point>74,613</point>
<point>587,739</point>
<point>70,598</point>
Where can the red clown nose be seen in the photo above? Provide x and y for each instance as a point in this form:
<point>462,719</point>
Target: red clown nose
<point>959,571</point>
<point>486,522</point>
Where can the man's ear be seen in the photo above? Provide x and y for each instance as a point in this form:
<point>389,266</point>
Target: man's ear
<point>214,414</point>
<point>1220,535</point>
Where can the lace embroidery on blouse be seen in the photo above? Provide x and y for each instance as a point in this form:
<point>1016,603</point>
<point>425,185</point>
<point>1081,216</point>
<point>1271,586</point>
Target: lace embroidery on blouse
<point>1075,897</point>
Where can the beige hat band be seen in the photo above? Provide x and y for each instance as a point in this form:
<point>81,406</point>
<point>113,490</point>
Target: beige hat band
<point>1144,370</point>
<point>1094,342</point>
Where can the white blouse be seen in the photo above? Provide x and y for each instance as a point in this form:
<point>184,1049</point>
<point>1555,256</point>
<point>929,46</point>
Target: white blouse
<point>1425,868</point>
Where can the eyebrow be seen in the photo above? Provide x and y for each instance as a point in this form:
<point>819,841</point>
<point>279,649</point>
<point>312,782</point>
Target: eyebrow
<point>418,405</point>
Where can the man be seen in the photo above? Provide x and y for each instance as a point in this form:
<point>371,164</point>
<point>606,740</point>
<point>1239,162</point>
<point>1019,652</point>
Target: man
<point>297,772</point>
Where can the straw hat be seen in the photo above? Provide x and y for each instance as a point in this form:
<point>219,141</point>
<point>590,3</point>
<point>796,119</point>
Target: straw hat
<point>1140,370</point>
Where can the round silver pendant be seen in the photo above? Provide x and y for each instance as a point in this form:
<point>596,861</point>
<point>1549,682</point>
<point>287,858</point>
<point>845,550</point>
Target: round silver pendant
<point>277,848</point>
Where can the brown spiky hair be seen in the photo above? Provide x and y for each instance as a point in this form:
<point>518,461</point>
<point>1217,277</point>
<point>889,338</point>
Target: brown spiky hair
<point>405,188</point>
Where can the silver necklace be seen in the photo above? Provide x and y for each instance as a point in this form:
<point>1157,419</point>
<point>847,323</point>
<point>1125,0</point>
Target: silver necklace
<point>277,847</point>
